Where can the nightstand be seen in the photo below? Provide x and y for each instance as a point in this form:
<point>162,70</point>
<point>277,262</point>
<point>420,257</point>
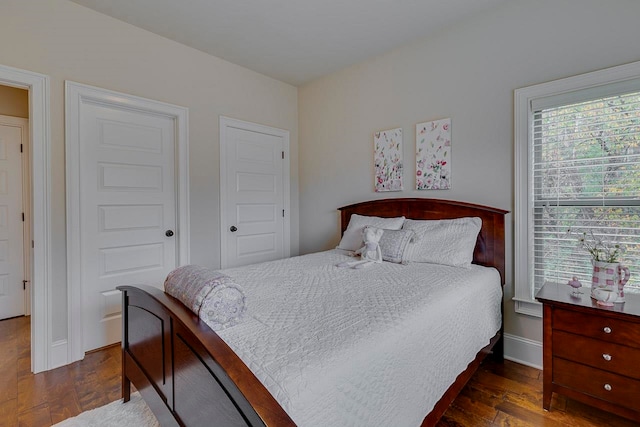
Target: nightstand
<point>591,353</point>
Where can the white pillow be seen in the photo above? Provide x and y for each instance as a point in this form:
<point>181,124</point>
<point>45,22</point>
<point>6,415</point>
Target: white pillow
<point>352,237</point>
<point>445,241</point>
<point>394,245</point>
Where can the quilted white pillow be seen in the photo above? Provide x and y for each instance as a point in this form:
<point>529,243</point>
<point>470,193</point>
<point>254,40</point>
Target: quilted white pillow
<point>352,237</point>
<point>445,241</point>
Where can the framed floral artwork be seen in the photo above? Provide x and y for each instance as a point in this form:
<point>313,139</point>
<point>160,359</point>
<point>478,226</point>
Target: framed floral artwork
<point>433,155</point>
<point>388,160</point>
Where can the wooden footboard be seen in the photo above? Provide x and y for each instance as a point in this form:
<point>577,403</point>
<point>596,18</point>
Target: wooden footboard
<point>189,376</point>
<point>184,371</point>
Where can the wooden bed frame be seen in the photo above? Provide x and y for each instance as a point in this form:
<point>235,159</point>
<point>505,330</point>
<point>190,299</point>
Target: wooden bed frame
<point>189,376</point>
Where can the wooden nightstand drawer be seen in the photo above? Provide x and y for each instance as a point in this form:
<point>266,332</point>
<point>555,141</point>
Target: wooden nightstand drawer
<point>599,354</point>
<point>599,327</point>
<point>613,388</point>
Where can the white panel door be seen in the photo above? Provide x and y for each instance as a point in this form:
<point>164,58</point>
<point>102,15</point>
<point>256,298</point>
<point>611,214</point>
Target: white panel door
<point>127,210</point>
<point>254,207</point>
<point>11,223</point>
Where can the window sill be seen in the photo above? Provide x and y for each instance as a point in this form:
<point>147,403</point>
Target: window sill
<point>529,308</point>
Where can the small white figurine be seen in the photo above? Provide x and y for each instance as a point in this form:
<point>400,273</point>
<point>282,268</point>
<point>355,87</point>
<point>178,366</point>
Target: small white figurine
<point>370,253</point>
<point>575,284</point>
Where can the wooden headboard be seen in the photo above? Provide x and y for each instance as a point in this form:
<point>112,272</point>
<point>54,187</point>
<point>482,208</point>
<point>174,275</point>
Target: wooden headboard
<point>489,250</point>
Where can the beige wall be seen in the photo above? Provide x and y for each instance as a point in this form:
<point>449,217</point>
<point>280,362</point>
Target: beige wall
<point>69,42</point>
<point>467,73</point>
<point>14,102</point>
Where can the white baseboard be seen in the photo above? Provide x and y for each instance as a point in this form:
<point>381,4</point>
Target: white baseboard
<point>522,350</point>
<point>58,354</point>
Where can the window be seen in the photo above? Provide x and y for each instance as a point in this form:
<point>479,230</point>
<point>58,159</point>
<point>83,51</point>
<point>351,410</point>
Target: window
<point>577,174</point>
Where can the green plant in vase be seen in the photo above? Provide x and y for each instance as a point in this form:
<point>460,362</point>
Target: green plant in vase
<point>599,249</point>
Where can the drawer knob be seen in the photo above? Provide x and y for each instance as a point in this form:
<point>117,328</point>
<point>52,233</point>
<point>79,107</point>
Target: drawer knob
<point>607,330</point>
<point>606,357</point>
<point>607,387</point>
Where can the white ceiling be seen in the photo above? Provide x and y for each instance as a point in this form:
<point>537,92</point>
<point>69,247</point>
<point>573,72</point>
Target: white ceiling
<point>294,41</point>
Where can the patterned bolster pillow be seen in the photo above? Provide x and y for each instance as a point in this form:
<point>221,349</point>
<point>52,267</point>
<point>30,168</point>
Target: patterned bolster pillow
<point>213,296</point>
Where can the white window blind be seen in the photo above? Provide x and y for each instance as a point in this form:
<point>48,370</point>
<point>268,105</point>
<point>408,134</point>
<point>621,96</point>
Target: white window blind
<point>585,178</point>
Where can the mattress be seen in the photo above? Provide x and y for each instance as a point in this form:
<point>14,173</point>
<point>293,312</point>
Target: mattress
<point>378,346</point>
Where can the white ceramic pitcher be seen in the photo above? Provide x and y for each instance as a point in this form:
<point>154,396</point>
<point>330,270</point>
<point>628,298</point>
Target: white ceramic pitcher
<point>609,276</point>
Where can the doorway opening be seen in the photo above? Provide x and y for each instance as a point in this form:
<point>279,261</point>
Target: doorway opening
<point>15,201</point>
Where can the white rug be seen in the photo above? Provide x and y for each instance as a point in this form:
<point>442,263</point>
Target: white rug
<point>133,413</point>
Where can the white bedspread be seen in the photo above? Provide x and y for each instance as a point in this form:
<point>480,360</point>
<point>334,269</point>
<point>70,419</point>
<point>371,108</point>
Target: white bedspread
<point>373,347</point>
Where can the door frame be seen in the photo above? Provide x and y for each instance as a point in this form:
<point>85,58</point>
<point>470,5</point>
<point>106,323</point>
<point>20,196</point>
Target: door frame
<point>225,123</point>
<point>43,353</point>
<point>75,95</point>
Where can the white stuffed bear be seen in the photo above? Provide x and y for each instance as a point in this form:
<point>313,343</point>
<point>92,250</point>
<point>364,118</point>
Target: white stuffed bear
<point>370,253</point>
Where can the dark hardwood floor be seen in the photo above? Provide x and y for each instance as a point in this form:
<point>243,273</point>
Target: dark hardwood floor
<point>506,394</point>
<point>50,397</point>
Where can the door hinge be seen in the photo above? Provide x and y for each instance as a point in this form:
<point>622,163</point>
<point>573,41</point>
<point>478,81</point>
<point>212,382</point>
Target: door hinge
<point>283,155</point>
<point>32,245</point>
<point>24,284</point>
<point>282,213</point>
<point>21,148</point>
<point>22,216</point>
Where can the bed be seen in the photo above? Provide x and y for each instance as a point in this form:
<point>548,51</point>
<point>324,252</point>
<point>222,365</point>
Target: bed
<point>189,375</point>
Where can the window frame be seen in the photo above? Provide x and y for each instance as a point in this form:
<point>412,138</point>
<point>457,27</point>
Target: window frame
<point>524,98</point>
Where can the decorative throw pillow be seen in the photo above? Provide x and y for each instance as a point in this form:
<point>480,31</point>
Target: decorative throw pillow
<point>352,237</point>
<point>445,241</point>
<point>394,245</point>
